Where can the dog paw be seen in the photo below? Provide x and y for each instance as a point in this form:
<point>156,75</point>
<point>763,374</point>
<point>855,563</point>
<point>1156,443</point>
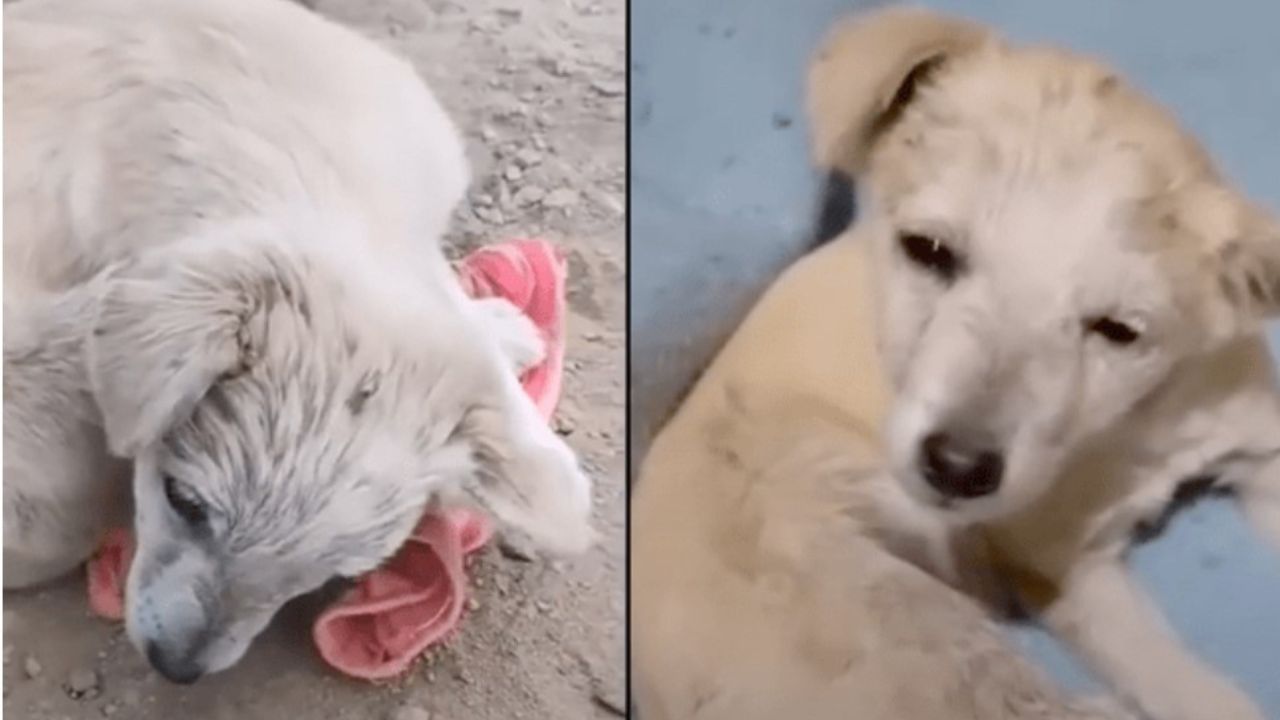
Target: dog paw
<point>519,339</point>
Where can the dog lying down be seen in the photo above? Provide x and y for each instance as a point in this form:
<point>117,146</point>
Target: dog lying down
<point>223,275</point>
<point>768,544</point>
<point>1048,317</point>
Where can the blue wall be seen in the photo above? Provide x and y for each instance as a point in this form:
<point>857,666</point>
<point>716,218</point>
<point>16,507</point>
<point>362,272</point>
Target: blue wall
<point>723,197</point>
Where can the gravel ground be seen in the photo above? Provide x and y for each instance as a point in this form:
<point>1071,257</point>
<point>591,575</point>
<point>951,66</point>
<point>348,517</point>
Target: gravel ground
<point>538,87</point>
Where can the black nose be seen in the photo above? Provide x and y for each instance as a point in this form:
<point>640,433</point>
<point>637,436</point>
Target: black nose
<point>178,670</point>
<point>957,471</point>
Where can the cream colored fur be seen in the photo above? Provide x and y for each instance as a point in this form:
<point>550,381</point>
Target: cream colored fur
<point>770,574</point>
<point>223,275</point>
<point>1064,197</point>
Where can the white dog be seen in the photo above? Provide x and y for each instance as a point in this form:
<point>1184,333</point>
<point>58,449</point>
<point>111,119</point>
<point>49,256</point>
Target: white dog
<point>1068,303</point>
<point>223,274</point>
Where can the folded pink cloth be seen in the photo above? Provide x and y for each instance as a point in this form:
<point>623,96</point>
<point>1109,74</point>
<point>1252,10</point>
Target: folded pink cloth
<point>416,599</point>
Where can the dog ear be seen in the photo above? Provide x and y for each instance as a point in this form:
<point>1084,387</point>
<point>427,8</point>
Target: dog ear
<point>167,327</point>
<point>1249,267</point>
<point>867,71</point>
<point>1240,246</point>
<point>528,477</point>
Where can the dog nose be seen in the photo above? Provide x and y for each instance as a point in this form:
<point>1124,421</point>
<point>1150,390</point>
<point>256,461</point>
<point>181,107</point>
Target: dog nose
<point>957,471</point>
<point>175,669</point>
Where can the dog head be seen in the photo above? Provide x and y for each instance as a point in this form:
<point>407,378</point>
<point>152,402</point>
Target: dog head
<point>290,416</point>
<point>1050,248</point>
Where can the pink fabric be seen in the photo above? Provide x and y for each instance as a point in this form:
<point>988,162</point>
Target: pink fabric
<point>416,599</point>
<point>531,274</point>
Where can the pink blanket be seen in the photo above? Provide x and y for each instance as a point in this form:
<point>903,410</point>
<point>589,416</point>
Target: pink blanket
<point>416,599</point>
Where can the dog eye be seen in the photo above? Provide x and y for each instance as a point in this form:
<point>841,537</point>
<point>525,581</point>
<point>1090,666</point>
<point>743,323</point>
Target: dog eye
<point>1115,332</point>
<point>183,502</point>
<point>931,254</point>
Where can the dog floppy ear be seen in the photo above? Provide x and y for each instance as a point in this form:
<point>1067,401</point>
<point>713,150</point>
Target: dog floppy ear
<point>1249,267</point>
<point>1239,244</point>
<point>167,327</point>
<point>866,72</point>
<point>528,477</point>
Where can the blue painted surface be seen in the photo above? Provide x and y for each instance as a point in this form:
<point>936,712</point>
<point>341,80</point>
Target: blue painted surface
<point>723,197</point>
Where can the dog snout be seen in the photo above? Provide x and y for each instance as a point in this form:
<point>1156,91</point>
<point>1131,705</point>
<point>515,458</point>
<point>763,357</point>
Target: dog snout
<point>176,667</point>
<point>959,470</point>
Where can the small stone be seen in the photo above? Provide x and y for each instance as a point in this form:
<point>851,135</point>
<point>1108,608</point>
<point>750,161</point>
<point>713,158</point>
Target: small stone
<point>529,195</point>
<point>513,173</point>
<point>492,216</point>
<point>562,198</point>
<point>82,682</point>
<point>528,157</point>
<point>483,200</point>
<point>608,88</point>
<point>473,604</point>
<point>488,134</point>
<point>514,550</point>
<point>109,709</point>
<point>32,667</point>
<point>506,200</point>
<point>564,425</point>
<point>609,701</point>
<point>406,712</point>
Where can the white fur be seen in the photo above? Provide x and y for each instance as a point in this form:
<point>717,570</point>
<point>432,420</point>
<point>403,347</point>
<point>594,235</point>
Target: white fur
<point>222,263</point>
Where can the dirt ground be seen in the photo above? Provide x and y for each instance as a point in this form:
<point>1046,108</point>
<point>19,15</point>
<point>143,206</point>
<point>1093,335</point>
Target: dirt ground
<point>538,87</point>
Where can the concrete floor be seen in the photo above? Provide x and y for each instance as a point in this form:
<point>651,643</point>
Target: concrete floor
<point>723,197</point>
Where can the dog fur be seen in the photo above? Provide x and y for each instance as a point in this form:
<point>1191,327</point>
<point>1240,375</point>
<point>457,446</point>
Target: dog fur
<point>1088,303</point>
<point>777,569</point>
<point>223,275</point>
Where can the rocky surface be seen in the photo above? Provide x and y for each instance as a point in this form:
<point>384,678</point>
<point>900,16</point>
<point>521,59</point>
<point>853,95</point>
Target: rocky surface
<point>539,90</point>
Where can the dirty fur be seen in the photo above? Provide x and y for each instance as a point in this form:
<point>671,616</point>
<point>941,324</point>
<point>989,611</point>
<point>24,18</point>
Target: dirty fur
<point>223,276</point>
<point>1056,274</point>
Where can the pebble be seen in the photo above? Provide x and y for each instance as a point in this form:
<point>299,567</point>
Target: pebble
<point>492,216</point>
<point>32,667</point>
<point>513,173</point>
<point>561,198</point>
<point>528,195</point>
<point>514,550</point>
<point>609,89</point>
<point>82,681</point>
<point>406,712</point>
<point>528,157</point>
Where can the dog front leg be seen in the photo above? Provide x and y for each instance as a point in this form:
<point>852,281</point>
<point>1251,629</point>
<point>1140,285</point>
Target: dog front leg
<point>1107,619</point>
